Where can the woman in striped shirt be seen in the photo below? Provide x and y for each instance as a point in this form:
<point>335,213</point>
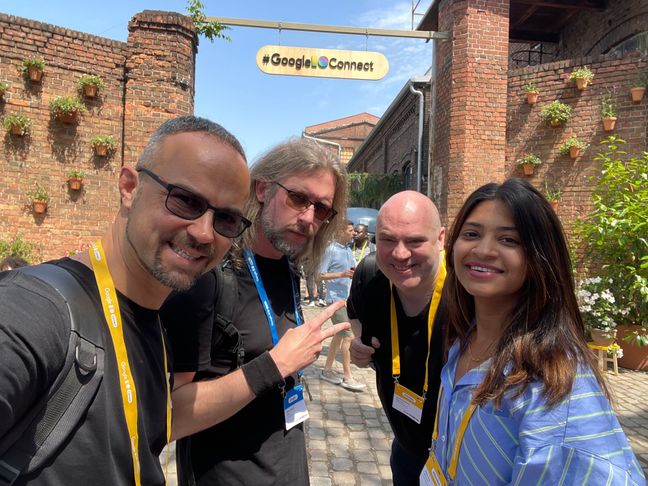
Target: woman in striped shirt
<point>522,401</point>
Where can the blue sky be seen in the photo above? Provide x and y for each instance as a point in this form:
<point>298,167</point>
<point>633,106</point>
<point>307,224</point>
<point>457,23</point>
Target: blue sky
<point>260,109</point>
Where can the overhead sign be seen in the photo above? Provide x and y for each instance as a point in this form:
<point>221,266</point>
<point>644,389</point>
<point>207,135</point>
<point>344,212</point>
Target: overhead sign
<point>322,63</point>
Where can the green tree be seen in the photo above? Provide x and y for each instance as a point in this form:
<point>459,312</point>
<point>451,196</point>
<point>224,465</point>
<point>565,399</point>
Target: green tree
<point>614,235</point>
<point>210,29</point>
<point>372,190</point>
<point>21,248</point>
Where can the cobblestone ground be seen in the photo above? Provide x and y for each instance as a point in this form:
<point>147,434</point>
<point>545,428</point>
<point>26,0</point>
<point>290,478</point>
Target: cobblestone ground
<point>348,437</point>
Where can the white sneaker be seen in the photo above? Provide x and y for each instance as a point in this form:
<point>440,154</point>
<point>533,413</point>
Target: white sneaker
<point>353,385</point>
<point>311,303</point>
<point>331,376</point>
<point>321,303</point>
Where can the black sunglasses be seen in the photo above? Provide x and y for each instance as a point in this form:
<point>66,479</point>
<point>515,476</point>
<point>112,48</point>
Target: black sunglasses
<point>187,205</point>
<point>300,202</point>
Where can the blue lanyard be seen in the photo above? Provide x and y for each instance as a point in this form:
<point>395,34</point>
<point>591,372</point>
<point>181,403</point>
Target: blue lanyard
<point>256,277</point>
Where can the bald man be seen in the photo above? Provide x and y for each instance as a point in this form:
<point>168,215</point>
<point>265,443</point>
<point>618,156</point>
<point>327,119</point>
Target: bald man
<point>398,292</point>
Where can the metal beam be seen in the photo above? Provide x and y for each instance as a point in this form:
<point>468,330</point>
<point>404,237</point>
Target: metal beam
<point>331,29</point>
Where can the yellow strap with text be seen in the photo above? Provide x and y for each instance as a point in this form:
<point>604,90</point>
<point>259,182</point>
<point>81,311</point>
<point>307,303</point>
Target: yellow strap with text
<point>127,384</point>
<point>434,305</point>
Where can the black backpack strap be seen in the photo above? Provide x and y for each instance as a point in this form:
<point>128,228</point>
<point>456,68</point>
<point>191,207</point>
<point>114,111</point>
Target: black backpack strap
<point>224,332</point>
<point>51,420</point>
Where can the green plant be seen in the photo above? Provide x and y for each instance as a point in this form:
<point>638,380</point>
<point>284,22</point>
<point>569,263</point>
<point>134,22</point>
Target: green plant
<point>608,105</point>
<point>107,140</point>
<point>371,190</point>
<point>32,62</point>
<point>39,194</point>
<point>20,248</point>
<point>597,304</point>
<point>75,174</point>
<point>582,73</point>
<point>529,159</point>
<point>90,80</point>
<point>556,113</point>
<point>210,29</point>
<point>572,142</point>
<point>613,234</point>
<point>530,86</point>
<point>3,87</point>
<point>17,120</point>
<point>552,193</point>
<point>640,78</point>
<point>66,105</point>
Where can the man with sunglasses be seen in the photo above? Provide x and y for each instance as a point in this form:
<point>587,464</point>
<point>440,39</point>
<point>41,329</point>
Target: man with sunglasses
<point>296,191</point>
<point>173,224</point>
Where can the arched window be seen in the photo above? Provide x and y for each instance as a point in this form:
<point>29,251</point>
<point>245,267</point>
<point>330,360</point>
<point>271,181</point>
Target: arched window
<point>408,176</point>
<point>637,42</point>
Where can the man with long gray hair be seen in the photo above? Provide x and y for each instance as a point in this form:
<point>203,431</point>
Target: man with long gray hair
<point>247,313</point>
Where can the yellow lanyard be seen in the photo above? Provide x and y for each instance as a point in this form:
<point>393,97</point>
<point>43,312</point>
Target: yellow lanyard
<point>127,384</point>
<point>361,252</point>
<point>434,305</point>
<point>461,431</point>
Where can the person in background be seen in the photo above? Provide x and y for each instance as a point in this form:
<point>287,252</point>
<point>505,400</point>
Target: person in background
<point>362,246</point>
<point>521,400</point>
<point>394,306</point>
<point>337,270</point>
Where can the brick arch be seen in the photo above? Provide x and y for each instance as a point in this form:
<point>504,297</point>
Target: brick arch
<point>620,32</point>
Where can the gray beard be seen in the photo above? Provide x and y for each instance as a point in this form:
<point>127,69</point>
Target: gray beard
<point>277,241</point>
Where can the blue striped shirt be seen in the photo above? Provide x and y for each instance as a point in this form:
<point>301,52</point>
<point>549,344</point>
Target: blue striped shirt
<point>524,442</point>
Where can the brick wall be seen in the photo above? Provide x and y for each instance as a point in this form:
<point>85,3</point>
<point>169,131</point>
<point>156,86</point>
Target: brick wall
<point>528,133</point>
<point>471,103</point>
<point>135,71</point>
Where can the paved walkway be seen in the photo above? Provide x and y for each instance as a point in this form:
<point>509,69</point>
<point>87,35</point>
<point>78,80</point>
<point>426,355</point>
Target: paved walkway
<point>348,436</point>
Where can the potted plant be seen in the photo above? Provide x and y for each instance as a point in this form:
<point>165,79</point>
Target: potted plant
<point>553,195</point>
<point>17,124</point>
<point>39,198</point>
<point>3,88</point>
<point>608,111</point>
<point>532,92</point>
<point>573,147</point>
<point>638,86</point>
<point>66,108</point>
<point>555,113</point>
<point>32,67</point>
<point>528,163</point>
<point>103,144</point>
<point>582,76</point>
<point>597,306</point>
<point>612,237</point>
<point>90,84</point>
<point>75,179</point>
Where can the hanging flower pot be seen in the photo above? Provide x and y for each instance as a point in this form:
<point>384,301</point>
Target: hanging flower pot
<point>554,205</point>
<point>17,124</point>
<point>637,93</point>
<point>67,117</point>
<point>32,68</point>
<point>555,122</point>
<point>582,77</point>
<point>35,74</point>
<point>528,169</point>
<point>575,152</point>
<point>103,144</point>
<point>609,123</point>
<point>528,163</point>
<point>101,150</point>
<point>66,109</point>
<point>91,84</point>
<point>39,206</point>
<point>532,97</point>
<point>581,84</point>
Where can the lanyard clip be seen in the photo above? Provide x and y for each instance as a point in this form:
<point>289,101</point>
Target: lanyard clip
<point>395,377</point>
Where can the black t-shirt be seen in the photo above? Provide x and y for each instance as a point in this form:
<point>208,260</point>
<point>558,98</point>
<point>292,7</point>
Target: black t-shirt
<point>369,301</point>
<point>252,447</point>
<point>34,335</point>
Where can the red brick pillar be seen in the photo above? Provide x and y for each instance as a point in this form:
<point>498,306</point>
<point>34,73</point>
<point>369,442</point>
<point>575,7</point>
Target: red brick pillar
<point>160,72</point>
<point>471,98</point>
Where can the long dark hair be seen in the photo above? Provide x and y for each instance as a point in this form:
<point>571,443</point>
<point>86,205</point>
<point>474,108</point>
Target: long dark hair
<point>544,337</point>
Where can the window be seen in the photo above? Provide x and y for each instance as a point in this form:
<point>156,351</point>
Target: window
<point>638,43</point>
<point>345,154</point>
<point>408,176</point>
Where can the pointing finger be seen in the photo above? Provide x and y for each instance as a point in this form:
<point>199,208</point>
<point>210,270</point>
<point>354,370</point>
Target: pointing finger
<point>334,329</point>
<point>326,314</point>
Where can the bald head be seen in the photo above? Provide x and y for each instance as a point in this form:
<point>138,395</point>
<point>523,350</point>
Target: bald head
<point>406,204</point>
<point>409,242</point>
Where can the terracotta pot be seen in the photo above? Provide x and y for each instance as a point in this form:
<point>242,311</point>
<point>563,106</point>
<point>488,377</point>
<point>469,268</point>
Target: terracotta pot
<point>609,123</point>
<point>532,97</point>
<point>101,150</point>
<point>637,94</point>
<point>39,206</point>
<point>603,338</point>
<point>554,205</point>
<point>528,169</point>
<point>634,357</point>
<point>75,183</point>
<point>555,122</point>
<point>90,91</point>
<point>17,131</point>
<point>67,117</point>
<point>581,84</point>
<point>574,152</point>
<point>35,74</point>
